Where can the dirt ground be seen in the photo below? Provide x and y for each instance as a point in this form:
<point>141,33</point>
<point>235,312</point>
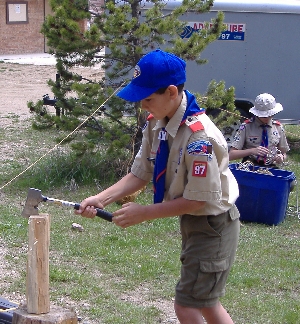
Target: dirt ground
<point>20,83</point>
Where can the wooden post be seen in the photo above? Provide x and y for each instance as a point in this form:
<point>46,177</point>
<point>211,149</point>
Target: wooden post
<point>37,310</point>
<point>37,281</point>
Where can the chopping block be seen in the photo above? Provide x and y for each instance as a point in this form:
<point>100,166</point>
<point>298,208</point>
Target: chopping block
<point>57,315</point>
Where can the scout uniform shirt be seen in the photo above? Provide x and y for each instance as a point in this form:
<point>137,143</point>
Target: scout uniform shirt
<point>249,136</point>
<point>198,161</point>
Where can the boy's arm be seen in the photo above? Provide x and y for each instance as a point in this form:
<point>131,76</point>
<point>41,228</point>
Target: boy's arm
<point>235,154</point>
<point>124,187</point>
<point>132,213</point>
<point>128,185</point>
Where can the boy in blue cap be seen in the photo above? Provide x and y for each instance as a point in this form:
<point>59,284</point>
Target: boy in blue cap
<point>191,179</point>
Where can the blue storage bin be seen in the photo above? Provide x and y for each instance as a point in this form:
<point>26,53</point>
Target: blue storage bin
<point>263,198</point>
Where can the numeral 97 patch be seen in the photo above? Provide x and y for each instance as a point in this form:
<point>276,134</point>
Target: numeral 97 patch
<point>199,169</point>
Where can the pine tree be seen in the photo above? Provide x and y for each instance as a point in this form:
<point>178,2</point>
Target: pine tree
<point>126,30</point>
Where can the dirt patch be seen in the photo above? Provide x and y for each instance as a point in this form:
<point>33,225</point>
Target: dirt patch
<point>20,83</point>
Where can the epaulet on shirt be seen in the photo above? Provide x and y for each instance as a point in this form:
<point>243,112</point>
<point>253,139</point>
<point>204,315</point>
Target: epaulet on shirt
<point>276,122</point>
<point>195,126</point>
<point>248,121</point>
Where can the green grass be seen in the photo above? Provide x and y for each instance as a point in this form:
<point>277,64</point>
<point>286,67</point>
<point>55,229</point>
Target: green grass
<point>112,275</point>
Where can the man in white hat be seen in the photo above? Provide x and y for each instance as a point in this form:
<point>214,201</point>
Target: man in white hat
<point>261,139</point>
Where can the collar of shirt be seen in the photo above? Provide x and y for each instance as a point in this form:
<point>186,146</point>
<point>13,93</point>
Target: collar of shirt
<point>173,124</point>
<point>259,123</point>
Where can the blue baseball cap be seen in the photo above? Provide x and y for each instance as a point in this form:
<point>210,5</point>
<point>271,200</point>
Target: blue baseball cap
<point>155,70</point>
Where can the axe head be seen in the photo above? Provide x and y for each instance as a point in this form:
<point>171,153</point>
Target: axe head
<point>34,197</point>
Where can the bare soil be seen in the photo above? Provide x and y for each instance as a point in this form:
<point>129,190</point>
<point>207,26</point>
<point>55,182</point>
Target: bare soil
<point>20,83</point>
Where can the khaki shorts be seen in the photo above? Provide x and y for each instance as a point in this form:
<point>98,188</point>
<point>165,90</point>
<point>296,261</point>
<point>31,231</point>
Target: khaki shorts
<point>209,246</point>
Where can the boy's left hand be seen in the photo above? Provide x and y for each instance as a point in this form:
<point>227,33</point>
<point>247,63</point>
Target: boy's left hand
<point>130,214</point>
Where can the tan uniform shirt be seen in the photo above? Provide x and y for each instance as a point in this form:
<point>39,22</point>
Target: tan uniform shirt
<point>249,135</point>
<point>198,162</point>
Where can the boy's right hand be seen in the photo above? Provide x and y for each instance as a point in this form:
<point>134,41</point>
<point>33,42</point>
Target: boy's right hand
<point>88,207</point>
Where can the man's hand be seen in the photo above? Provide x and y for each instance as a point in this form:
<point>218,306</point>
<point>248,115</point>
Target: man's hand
<point>130,214</point>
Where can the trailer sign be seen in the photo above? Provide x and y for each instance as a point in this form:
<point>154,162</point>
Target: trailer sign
<point>234,31</point>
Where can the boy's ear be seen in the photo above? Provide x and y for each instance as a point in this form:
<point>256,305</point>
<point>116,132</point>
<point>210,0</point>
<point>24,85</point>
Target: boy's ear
<point>173,91</point>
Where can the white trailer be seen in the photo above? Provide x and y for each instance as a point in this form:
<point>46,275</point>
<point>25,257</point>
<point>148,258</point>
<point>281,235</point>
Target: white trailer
<point>260,51</point>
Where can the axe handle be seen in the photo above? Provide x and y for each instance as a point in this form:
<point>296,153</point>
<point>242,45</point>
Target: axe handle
<point>100,212</point>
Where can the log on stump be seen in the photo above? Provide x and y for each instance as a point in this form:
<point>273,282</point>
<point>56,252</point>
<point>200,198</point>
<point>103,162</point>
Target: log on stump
<point>57,315</point>
<point>37,279</point>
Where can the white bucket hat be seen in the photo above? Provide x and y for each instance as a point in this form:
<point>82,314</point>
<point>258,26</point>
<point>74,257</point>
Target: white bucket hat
<point>265,105</point>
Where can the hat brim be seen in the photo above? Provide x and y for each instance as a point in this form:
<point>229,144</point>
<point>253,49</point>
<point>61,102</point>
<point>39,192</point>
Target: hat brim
<point>267,113</point>
<point>135,93</point>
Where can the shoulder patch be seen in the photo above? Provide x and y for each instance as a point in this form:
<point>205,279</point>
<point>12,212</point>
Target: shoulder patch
<point>196,127</point>
<point>150,117</point>
<point>199,148</point>
<point>276,122</point>
<point>194,124</point>
<point>199,169</point>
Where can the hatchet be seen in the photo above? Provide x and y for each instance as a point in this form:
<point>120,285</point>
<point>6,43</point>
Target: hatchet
<point>34,197</point>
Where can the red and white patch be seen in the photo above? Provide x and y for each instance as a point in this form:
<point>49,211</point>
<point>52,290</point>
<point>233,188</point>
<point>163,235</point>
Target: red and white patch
<point>199,169</point>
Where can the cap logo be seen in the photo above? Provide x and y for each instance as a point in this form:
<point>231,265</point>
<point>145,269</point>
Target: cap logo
<point>137,72</point>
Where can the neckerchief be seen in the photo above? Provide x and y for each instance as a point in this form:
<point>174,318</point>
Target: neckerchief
<point>264,140</point>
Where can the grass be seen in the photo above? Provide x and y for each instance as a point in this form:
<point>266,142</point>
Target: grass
<point>111,275</point>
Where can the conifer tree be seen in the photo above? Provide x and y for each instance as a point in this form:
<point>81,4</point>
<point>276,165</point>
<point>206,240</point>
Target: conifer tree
<point>126,30</point>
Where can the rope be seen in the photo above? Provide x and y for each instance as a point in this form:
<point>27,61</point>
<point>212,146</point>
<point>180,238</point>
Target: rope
<point>246,166</point>
<point>54,147</point>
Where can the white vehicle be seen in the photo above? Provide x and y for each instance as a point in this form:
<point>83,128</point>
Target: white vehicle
<point>259,52</point>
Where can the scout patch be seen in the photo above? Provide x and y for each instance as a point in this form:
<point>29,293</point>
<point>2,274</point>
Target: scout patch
<point>199,148</point>
<point>199,169</point>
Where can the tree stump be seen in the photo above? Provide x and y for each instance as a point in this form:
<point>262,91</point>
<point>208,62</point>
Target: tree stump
<point>57,315</point>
